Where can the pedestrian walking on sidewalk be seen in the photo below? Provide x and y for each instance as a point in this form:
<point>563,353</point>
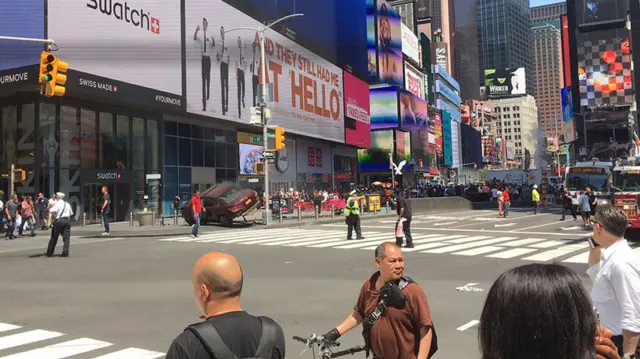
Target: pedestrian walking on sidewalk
<point>62,213</point>
<point>403,208</point>
<point>196,209</point>
<point>567,205</point>
<point>105,210</point>
<point>352,216</point>
<point>506,201</point>
<point>535,197</point>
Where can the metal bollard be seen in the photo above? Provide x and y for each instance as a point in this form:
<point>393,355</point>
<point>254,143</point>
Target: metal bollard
<point>101,220</point>
<point>317,213</point>
<point>84,219</point>
<point>175,219</point>
<point>153,217</point>
<point>131,219</point>
<point>333,212</point>
<point>361,209</point>
<point>375,207</point>
<point>280,215</point>
<point>299,215</point>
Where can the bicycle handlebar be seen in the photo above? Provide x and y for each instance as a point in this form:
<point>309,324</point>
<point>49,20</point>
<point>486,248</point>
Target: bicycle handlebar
<point>349,351</point>
<point>325,346</point>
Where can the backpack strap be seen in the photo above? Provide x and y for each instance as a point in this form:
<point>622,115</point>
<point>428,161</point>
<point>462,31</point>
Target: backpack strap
<point>405,281</point>
<point>267,338</point>
<point>210,338</point>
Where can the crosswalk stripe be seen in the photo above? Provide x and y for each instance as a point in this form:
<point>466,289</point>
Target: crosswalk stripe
<point>131,353</point>
<point>62,350</point>
<point>222,235</point>
<point>580,258</point>
<point>468,239</point>
<point>416,239</point>
<point>31,336</point>
<point>548,244</point>
<point>524,242</point>
<point>511,252</point>
<point>478,251</point>
<point>4,327</point>
<point>432,245</point>
<point>371,237</point>
<point>458,247</point>
<point>256,236</point>
<point>327,235</point>
<point>557,252</point>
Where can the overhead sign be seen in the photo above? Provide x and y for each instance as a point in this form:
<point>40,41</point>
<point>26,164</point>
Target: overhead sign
<point>441,54</point>
<point>414,81</point>
<point>593,170</point>
<point>410,44</point>
<point>501,83</point>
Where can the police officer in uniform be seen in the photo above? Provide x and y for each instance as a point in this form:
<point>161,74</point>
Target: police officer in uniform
<point>62,213</point>
<point>352,213</point>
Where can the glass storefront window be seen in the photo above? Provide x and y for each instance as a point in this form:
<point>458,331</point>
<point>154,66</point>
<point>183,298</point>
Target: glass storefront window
<point>170,151</point>
<point>9,134</point>
<point>107,154</point>
<point>88,139</point>
<point>122,141</point>
<point>69,135</point>
<point>26,148</point>
<point>184,150</point>
<point>197,153</point>
<point>138,144</point>
<point>48,147</point>
<point>138,190</point>
<point>153,147</point>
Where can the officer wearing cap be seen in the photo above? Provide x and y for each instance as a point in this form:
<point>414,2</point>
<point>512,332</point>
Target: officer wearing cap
<point>61,212</point>
<point>352,213</point>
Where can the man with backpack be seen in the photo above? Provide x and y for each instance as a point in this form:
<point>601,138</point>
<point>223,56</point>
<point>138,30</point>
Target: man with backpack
<point>227,332</point>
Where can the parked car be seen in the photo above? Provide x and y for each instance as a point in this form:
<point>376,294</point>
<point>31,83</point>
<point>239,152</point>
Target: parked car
<point>222,204</point>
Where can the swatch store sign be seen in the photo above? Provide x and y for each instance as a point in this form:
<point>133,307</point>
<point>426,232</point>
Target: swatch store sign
<point>81,30</point>
<point>306,90</point>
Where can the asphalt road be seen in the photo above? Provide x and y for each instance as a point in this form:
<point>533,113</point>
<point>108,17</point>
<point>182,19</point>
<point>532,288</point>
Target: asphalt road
<point>133,296</point>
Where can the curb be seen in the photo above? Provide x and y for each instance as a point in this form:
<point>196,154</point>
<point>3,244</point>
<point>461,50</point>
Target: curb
<point>322,221</point>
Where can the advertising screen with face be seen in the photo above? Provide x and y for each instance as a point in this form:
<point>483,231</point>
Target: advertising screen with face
<point>389,44</point>
<point>135,41</point>
<point>505,82</point>
<point>249,155</point>
<point>223,74</point>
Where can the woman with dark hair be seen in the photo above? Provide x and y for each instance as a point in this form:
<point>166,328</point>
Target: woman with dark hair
<point>541,311</point>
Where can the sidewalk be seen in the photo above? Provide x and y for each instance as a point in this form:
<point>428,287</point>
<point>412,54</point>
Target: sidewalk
<point>123,230</point>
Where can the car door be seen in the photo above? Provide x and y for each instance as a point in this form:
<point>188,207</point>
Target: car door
<point>210,209</point>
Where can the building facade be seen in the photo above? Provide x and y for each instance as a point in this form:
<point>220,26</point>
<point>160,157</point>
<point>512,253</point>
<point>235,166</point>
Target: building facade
<point>549,12</point>
<point>547,47</point>
<point>504,37</point>
<point>466,50</point>
<point>517,121</point>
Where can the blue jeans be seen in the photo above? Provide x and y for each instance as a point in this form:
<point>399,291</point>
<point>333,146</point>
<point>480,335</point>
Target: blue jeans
<point>105,219</point>
<point>196,224</point>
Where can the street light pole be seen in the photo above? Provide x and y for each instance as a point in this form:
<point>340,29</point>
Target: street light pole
<point>263,105</point>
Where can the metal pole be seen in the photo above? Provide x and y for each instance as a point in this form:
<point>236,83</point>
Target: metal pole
<point>27,39</point>
<point>333,212</point>
<point>317,210</point>
<point>375,207</point>
<point>12,183</point>
<point>131,219</point>
<point>265,132</point>
<point>84,219</point>
<point>299,215</point>
<point>175,219</point>
<point>153,217</point>
<point>280,214</point>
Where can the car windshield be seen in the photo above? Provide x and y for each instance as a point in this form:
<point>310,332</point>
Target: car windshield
<point>216,191</point>
<point>625,181</point>
<point>579,181</point>
<point>234,193</point>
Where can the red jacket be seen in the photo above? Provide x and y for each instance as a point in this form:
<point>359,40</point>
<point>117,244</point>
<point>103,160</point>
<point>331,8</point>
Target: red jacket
<point>505,196</point>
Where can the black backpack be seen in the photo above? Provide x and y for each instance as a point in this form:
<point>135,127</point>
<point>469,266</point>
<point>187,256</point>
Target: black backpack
<point>215,346</point>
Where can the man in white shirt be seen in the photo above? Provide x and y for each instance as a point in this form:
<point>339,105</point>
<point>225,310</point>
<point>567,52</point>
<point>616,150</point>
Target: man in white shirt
<point>61,212</point>
<point>614,269</point>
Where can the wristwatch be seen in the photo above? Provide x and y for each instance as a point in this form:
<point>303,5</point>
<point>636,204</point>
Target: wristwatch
<point>629,356</point>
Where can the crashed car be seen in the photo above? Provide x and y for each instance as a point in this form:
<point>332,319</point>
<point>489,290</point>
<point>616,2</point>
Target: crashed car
<point>222,204</point>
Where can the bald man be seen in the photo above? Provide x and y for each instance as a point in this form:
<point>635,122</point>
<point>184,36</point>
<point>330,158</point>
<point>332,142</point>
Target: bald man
<point>228,330</point>
<point>404,327</point>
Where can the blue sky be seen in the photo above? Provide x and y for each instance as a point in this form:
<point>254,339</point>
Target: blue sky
<point>533,3</point>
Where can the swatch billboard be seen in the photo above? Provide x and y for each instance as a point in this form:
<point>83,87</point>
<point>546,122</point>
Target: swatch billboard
<point>389,44</point>
<point>222,74</point>
<point>24,18</point>
<point>376,158</point>
<point>357,121</point>
<point>384,107</point>
<point>414,115</point>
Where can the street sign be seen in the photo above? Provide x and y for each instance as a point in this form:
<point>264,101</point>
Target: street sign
<point>268,154</point>
<point>256,115</point>
<point>452,174</point>
<point>271,160</point>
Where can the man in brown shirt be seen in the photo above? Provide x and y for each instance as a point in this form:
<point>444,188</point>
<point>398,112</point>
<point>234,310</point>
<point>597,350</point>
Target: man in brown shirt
<point>399,333</point>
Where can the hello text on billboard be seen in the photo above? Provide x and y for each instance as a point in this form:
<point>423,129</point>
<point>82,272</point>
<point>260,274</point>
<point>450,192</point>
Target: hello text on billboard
<point>122,11</point>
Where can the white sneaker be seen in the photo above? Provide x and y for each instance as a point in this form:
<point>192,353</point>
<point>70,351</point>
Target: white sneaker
<point>106,234</point>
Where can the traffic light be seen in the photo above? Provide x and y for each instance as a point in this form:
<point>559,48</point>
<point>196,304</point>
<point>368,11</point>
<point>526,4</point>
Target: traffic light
<point>258,168</point>
<point>19,175</point>
<point>280,138</point>
<point>52,75</point>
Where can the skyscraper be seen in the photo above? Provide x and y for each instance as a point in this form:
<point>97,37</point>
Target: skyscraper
<point>548,12</point>
<point>504,37</point>
<point>549,75</point>
<point>466,50</point>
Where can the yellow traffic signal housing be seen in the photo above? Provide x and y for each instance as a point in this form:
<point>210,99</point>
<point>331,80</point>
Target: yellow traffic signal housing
<point>52,75</point>
<point>280,138</point>
<point>19,175</point>
<point>258,168</point>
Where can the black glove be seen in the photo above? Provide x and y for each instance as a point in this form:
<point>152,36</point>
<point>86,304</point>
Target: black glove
<point>332,335</point>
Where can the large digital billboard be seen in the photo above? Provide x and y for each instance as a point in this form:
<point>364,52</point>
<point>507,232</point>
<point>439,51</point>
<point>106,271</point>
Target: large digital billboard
<point>222,74</point>
<point>447,143</point>
<point>590,12</point>
<point>410,44</point>
<point>24,18</point>
<point>357,121</point>
<point>372,57</point>
<point>568,118</point>
<point>414,115</point>
<point>403,146</point>
<point>384,107</point>
<point>376,158</point>
<point>604,68</point>
<point>389,44</point>
<point>135,42</point>
<point>505,82</point>
<point>566,53</point>
<point>414,81</point>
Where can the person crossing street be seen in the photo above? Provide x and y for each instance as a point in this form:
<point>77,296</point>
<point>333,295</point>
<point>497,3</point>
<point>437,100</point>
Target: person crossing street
<point>352,214</point>
<point>62,212</point>
<point>535,197</point>
<point>403,208</point>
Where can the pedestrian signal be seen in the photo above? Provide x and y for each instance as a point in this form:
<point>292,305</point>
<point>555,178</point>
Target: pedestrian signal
<point>19,175</point>
<point>280,138</point>
<point>258,168</point>
<point>52,75</point>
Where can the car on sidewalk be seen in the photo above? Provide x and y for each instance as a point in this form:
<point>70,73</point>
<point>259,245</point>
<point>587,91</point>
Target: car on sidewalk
<point>222,204</point>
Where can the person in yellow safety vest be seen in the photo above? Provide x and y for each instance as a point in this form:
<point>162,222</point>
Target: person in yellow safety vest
<point>535,197</point>
<point>352,216</point>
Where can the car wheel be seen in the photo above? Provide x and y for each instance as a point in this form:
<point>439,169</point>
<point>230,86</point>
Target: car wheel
<point>225,221</point>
